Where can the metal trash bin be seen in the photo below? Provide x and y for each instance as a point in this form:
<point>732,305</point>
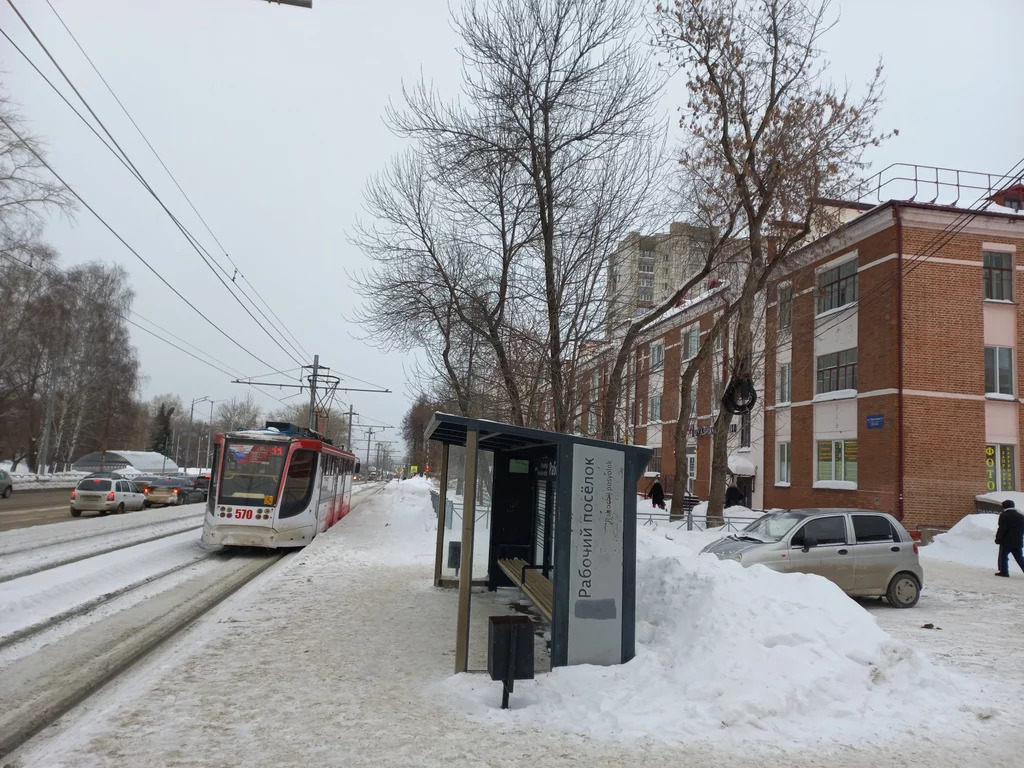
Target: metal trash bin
<point>509,651</point>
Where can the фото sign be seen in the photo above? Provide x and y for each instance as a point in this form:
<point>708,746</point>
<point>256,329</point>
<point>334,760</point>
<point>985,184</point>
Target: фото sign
<point>595,556</point>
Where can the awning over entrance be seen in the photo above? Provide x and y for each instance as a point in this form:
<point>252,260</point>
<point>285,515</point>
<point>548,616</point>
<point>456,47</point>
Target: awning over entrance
<point>741,466</point>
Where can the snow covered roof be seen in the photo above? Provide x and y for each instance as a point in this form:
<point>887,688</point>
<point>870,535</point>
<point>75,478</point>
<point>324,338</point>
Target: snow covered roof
<point>141,461</point>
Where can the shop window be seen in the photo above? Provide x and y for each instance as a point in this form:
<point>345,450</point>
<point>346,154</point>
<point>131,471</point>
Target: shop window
<point>837,460</point>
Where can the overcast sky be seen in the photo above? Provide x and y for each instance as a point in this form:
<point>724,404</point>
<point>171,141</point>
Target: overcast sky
<point>270,117</point>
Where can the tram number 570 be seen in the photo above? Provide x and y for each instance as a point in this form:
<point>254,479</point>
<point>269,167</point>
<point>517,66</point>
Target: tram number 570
<point>243,514</point>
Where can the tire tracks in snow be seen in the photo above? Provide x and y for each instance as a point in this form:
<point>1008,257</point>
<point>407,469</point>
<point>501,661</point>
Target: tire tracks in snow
<point>123,544</point>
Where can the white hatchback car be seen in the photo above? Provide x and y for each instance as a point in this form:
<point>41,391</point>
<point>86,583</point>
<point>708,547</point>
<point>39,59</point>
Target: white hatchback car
<point>105,495</point>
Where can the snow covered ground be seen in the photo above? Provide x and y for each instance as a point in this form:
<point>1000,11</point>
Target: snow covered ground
<point>342,655</point>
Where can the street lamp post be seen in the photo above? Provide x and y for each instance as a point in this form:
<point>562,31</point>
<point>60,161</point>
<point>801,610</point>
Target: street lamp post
<point>188,439</point>
<point>209,438</point>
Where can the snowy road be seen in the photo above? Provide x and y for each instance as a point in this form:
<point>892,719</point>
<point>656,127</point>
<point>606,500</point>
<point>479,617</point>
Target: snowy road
<point>27,508</point>
<point>334,658</point>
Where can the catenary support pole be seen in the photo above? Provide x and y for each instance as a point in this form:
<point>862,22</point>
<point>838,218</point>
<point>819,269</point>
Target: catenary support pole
<point>312,393</point>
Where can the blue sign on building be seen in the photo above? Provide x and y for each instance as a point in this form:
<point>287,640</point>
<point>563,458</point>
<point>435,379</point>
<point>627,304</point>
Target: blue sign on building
<point>876,421</point>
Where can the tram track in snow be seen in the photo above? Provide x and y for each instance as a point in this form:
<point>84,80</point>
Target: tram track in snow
<point>86,659</point>
<point>35,560</point>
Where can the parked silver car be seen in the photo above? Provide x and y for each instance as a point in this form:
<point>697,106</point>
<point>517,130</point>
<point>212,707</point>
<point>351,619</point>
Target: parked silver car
<point>866,553</point>
<point>103,495</point>
<point>6,484</point>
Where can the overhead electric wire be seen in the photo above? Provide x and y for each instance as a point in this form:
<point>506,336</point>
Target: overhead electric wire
<point>175,180</point>
<point>204,255</point>
<point>59,281</point>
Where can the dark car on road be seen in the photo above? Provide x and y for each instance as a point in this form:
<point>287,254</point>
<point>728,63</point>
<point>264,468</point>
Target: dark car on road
<point>6,484</point>
<point>171,491</point>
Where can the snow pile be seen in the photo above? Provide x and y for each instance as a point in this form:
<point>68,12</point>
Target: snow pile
<point>732,653</point>
<point>406,537</point>
<point>23,480</point>
<point>969,542</point>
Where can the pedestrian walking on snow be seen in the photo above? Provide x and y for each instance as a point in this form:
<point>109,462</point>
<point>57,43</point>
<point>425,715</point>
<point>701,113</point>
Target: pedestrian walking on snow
<point>1010,538</point>
<point>657,494</point>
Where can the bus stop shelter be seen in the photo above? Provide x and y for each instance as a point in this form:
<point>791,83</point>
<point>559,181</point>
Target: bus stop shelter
<point>564,504</point>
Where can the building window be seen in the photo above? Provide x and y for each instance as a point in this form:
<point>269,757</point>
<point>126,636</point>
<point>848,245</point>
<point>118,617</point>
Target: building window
<point>691,343</point>
<point>997,275</point>
<point>745,430</point>
<point>693,398</point>
<point>999,370</point>
<point>657,356</point>
<point>654,465</point>
<point>837,370</point>
<point>785,307</point>
<point>655,412</point>
<point>837,460</point>
<point>785,393</point>
<point>595,384</point>
<point>592,422</point>
<point>837,287</point>
<point>691,469</point>
<point>1000,468</point>
<point>717,388</point>
<point>784,473</point>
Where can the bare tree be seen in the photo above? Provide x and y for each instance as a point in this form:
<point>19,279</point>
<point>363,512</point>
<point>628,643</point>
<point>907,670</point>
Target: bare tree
<point>238,413</point>
<point>562,92</point>
<point>764,130</point>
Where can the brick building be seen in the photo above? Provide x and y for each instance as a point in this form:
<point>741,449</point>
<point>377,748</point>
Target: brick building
<point>893,369</point>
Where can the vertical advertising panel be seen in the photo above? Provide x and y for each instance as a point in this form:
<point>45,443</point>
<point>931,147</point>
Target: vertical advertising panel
<point>595,556</point>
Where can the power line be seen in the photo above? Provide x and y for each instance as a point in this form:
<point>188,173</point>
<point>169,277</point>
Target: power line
<point>204,255</point>
<point>175,180</point>
<point>99,302</point>
<point>125,243</point>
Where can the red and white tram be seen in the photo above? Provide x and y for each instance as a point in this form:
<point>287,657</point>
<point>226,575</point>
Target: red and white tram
<point>276,487</point>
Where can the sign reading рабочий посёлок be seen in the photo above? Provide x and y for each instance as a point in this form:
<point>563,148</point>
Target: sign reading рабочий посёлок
<point>595,557</point>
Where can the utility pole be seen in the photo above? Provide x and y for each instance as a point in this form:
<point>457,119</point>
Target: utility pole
<point>188,439</point>
<point>312,393</point>
<point>209,439</point>
<point>369,436</point>
<point>348,442</point>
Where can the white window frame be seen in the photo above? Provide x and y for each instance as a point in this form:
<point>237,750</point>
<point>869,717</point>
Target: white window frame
<point>592,422</point>
<point>654,415</point>
<point>691,470</point>
<point>788,316</point>
<point>657,360</point>
<point>783,463</point>
<point>690,351</point>
<point>785,375</point>
<point>998,389</point>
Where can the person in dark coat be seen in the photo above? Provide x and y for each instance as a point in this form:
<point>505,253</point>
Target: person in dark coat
<point>657,494</point>
<point>1010,538</point>
<point>733,496</point>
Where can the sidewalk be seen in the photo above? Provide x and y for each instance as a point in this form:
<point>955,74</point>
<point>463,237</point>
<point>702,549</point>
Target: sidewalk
<point>330,661</point>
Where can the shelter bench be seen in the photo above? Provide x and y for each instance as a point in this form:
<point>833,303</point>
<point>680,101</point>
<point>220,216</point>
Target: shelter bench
<point>534,584</point>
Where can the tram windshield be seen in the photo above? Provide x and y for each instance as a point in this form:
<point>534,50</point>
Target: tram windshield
<point>252,473</point>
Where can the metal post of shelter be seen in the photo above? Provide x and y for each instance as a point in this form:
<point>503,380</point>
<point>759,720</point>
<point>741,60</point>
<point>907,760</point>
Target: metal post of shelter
<point>466,565</point>
<point>442,503</point>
